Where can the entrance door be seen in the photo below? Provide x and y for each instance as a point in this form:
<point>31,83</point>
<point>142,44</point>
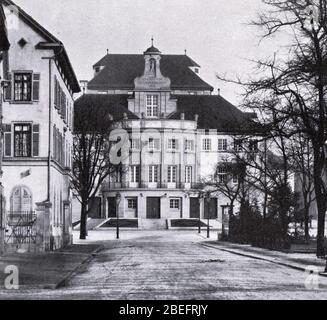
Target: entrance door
<point>194,208</point>
<point>112,207</point>
<point>210,209</point>
<point>153,208</point>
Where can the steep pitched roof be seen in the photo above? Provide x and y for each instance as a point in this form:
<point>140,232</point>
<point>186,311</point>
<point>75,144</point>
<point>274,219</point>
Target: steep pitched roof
<point>214,111</point>
<point>4,43</point>
<point>51,42</point>
<point>120,71</point>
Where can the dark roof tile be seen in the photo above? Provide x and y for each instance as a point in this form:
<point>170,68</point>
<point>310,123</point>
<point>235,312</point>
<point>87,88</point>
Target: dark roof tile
<point>214,111</point>
<point>120,71</point>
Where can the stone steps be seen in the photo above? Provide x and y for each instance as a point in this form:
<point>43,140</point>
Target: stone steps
<point>153,224</point>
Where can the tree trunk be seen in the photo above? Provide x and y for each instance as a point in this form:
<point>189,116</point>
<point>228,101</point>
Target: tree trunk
<point>320,199</point>
<point>83,229</point>
<point>306,224</point>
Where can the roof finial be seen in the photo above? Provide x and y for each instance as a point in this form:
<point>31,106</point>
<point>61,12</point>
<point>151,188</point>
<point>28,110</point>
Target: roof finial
<point>107,51</point>
<point>185,52</point>
<point>152,41</point>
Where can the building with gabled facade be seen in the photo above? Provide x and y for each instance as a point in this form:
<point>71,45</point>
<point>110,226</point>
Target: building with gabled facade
<point>178,129</point>
<point>38,123</point>
<point>4,46</point>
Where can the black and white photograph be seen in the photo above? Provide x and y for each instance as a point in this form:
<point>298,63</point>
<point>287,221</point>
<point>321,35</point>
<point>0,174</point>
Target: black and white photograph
<point>163,154</point>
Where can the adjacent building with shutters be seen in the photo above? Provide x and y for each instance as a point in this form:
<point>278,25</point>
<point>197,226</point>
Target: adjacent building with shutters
<point>179,130</point>
<point>37,124</point>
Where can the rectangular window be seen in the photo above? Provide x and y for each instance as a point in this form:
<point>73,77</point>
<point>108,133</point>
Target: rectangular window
<point>188,174</point>
<point>221,175</point>
<point>206,144</point>
<point>172,144</point>
<point>253,146</point>
<point>189,145</point>
<point>154,144</point>
<point>172,174</point>
<point>153,174</point>
<point>175,204</point>
<point>238,145</point>
<point>222,144</point>
<point>22,140</point>
<point>135,144</point>
<point>23,86</point>
<point>134,174</point>
<point>132,203</point>
<point>152,106</point>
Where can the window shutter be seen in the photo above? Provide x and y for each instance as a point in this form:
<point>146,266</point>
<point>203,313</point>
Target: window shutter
<point>55,92</point>
<point>7,140</point>
<point>8,89</point>
<point>36,140</point>
<point>36,86</point>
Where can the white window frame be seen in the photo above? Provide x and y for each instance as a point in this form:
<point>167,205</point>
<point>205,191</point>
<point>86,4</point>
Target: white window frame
<point>172,174</point>
<point>152,106</point>
<point>188,174</point>
<point>153,174</point>
<point>189,145</point>
<point>153,144</point>
<point>175,203</point>
<point>135,144</point>
<point>134,174</point>
<point>172,144</point>
<point>133,201</point>
<point>222,144</point>
<point>206,144</point>
<point>222,175</point>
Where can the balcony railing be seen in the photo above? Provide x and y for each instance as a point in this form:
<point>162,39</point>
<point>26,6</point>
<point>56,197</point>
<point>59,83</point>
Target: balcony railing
<point>149,185</point>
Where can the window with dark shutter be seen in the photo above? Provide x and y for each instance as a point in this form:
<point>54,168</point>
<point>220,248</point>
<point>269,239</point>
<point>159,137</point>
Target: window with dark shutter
<point>36,86</point>
<point>36,140</point>
<point>8,89</point>
<point>55,92</point>
<point>23,86</point>
<point>7,140</point>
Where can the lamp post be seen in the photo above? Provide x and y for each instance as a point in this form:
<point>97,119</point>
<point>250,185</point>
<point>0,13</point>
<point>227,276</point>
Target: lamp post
<point>199,222</point>
<point>118,198</point>
<point>208,220</point>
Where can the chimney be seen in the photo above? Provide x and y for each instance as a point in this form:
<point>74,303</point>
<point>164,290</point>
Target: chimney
<point>196,118</point>
<point>182,116</point>
<point>218,91</point>
<point>125,117</point>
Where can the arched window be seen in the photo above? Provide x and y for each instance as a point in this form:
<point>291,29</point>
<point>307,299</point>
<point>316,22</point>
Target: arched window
<point>21,200</point>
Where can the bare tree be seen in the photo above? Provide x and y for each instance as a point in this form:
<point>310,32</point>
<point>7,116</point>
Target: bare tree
<point>302,158</point>
<point>91,161</point>
<point>297,82</point>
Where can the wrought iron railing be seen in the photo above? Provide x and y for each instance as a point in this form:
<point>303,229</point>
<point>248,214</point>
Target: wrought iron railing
<point>21,227</point>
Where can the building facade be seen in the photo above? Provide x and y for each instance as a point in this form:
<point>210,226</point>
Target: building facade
<point>38,123</point>
<point>178,132</point>
<point>4,46</point>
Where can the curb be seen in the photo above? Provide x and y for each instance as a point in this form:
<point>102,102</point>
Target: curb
<point>289,265</point>
<point>72,273</point>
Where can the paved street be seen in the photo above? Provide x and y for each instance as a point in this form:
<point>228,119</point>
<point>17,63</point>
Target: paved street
<point>174,265</point>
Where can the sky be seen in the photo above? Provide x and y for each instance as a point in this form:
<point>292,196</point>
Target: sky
<point>215,33</point>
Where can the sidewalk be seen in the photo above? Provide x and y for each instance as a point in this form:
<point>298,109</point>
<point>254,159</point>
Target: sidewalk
<point>47,270</point>
<point>299,261</point>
